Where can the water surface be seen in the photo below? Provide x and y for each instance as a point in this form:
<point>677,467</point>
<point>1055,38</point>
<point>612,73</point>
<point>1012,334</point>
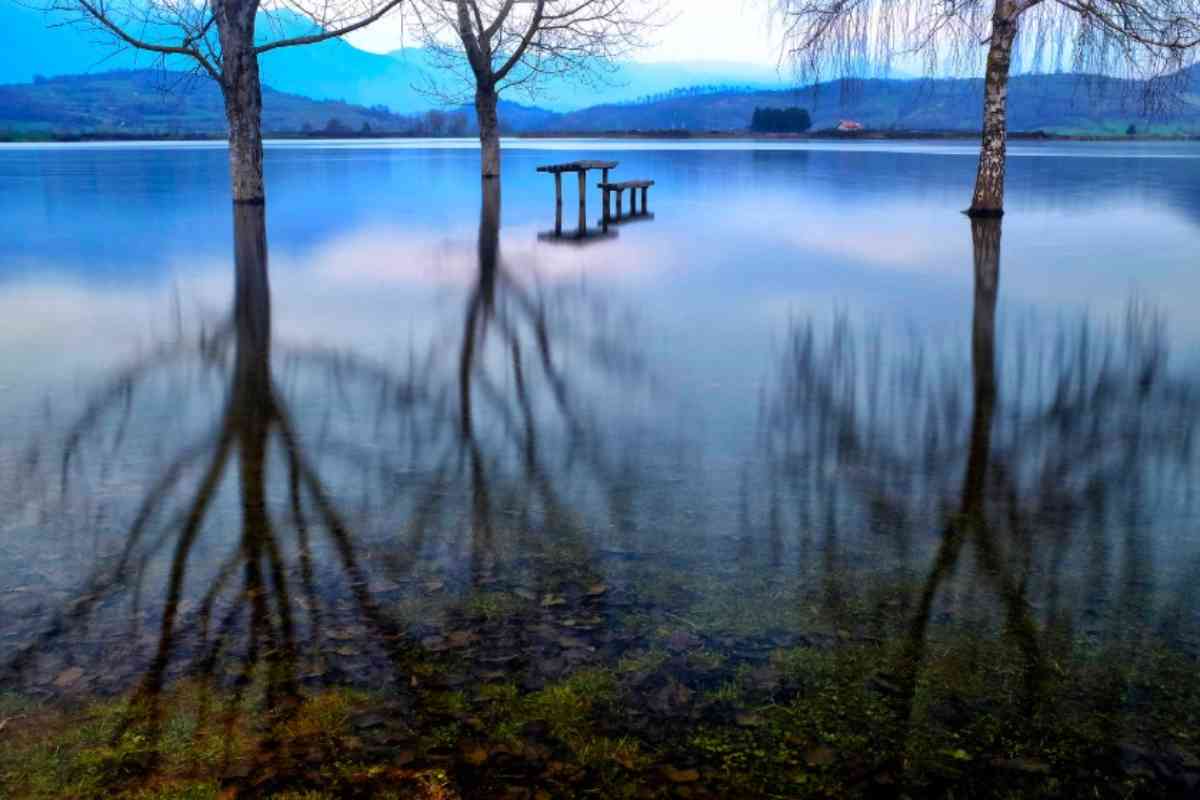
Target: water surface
<point>804,405</point>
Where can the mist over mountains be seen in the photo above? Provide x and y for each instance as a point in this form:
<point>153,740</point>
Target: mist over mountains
<point>34,44</point>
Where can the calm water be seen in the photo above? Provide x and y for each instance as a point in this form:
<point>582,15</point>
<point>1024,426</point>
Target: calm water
<point>790,406</point>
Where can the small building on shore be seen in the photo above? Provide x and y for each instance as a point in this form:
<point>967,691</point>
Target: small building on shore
<point>849,125</point>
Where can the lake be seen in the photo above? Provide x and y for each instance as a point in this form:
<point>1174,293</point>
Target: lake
<point>803,482</point>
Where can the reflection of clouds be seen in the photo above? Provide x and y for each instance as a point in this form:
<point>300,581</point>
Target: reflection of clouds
<point>385,256</point>
<point>375,289</point>
<point>770,253</point>
<point>1057,259</point>
<point>61,326</point>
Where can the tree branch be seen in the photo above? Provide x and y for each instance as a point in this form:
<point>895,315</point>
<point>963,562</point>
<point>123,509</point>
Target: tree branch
<point>329,34</point>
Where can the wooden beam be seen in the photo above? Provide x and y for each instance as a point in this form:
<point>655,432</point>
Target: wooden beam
<point>558,203</point>
<point>583,201</point>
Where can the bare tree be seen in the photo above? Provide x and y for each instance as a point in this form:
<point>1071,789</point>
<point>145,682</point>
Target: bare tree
<point>223,38</point>
<point>1138,38</point>
<point>493,45</point>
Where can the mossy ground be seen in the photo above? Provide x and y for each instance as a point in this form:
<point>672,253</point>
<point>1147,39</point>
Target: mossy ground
<point>750,686</point>
<point>807,722</point>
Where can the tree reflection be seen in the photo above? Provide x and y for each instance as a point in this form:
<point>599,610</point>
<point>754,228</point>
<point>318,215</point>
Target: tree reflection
<point>343,474</point>
<point>202,618</point>
<point>1064,449</point>
<point>508,372</point>
<point>971,524</point>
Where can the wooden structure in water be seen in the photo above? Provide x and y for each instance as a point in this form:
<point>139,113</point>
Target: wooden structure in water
<point>619,188</point>
<point>581,168</point>
<point>597,236</point>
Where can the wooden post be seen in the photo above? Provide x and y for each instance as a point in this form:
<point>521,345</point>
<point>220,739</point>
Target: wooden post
<point>558,203</point>
<point>607,202</point>
<point>620,201</point>
<point>582,201</point>
<point>645,195</point>
<point>604,176</point>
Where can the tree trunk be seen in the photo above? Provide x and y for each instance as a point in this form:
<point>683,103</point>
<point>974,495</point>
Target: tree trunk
<point>489,243</point>
<point>489,130</point>
<point>243,98</point>
<point>985,240</point>
<point>988,200</point>
<point>252,299</point>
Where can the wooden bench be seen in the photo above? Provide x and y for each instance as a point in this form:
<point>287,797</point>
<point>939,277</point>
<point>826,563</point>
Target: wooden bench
<point>619,188</point>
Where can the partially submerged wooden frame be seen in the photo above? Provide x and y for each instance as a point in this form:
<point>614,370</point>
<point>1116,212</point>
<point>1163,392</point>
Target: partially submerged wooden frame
<point>619,188</point>
<point>581,168</point>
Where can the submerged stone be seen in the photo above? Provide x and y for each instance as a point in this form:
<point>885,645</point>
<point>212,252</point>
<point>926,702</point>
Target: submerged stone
<point>675,775</point>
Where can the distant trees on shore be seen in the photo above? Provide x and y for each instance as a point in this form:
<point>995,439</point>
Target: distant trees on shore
<point>780,120</point>
<point>434,124</point>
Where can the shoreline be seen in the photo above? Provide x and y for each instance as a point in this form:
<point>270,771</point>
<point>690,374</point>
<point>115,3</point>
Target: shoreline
<point>879,135</point>
<point>636,135</point>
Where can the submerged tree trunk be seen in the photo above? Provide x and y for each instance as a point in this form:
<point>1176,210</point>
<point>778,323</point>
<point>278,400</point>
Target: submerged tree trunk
<point>489,130</point>
<point>489,242</point>
<point>243,98</point>
<point>988,200</point>
<point>251,414</point>
<point>985,239</point>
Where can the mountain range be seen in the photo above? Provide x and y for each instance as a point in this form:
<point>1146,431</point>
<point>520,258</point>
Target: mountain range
<point>1053,103</point>
<point>167,103</point>
<point>157,102</point>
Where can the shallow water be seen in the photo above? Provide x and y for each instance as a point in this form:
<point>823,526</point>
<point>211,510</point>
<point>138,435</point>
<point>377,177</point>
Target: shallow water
<point>805,403</point>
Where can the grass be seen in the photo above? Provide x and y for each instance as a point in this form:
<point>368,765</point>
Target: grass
<point>835,734</point>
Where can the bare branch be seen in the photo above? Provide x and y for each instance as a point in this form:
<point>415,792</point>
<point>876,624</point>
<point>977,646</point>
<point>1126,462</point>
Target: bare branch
<point>187,48</point>
<point>330,34</point>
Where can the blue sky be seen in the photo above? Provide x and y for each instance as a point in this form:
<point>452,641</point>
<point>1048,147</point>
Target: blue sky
<point>699,30</point>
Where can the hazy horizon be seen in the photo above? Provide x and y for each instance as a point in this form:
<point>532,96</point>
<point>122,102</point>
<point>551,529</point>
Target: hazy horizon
<point>698,30</point>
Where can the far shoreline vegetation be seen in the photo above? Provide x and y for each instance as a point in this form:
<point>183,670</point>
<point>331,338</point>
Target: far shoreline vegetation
<point>38,137</point>
<point>157,105</point>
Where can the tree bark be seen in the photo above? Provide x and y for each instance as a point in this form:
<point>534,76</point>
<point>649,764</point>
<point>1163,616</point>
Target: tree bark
<point>489,130</point>
<point>489,243</point>
<point>985,240</point>
<point>243,98</point>
<point>988,200</point>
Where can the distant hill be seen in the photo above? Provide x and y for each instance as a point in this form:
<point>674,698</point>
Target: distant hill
<point>35,43</point>
<point>157,102</point>
<point>1053,103</point>
<point>165,103</point>
<point>172,103</point>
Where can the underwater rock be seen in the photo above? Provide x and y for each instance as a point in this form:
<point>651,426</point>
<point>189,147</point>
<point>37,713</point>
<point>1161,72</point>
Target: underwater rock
<point>820,756</point>
<point>683,640</point>
<point>675,775</point>
<point>68,677</point>
<point>884,685</point>
<point>1024,766</point>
